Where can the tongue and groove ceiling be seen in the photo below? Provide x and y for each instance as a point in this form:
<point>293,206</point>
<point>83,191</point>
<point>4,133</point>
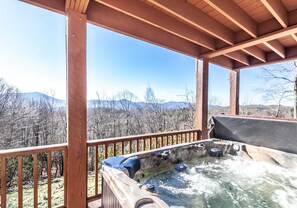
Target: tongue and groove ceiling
<point>234,34</point>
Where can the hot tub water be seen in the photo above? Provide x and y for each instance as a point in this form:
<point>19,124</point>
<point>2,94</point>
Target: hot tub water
<point>227,182</point>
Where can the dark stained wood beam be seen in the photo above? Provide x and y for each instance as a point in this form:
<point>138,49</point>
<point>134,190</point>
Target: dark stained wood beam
<point>234,78</point>
<point>76,109</point>
<point>201,118</point>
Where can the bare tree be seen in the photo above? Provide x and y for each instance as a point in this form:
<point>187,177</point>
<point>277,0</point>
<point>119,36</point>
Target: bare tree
<point>280,85</point>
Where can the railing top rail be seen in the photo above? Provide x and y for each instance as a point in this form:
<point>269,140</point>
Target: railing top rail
<point>134,137</point>
<point>32,150</point>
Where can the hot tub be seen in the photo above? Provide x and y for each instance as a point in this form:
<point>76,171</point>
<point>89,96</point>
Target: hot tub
<point>207,173</point>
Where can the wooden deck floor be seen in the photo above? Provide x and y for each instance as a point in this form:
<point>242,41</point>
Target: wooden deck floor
<point>95,204</point>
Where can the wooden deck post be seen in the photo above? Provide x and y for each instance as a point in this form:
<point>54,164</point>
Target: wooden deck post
<point>202,97</point>
<point>234,92</point>
<point>76,110</point>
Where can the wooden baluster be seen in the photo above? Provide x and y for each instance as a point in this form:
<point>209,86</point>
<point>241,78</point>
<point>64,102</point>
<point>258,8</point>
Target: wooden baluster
<point>106,151</point>
<point>137,145</point>
<point>166,140</point>
<point>151,144</point>
<point>162,141</point>
<point>49,179</point>
<point>3,183</point>
<point>96,170</point>
<point>35,176</point>
<point>123,148</point>
<point>20,181</point>
<point>130,146</point>
<point>114,149</point>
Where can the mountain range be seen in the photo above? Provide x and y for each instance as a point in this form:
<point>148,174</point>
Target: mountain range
<point>37,96</point>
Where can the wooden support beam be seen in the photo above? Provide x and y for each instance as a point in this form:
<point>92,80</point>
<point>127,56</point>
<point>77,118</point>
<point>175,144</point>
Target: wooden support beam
<point>111,19</point>
<point>202,97</point>
<point>76,109</point>
<point>265,38</point>
<point>255,52</point>
<point>238,56</point>
<point>52,5</point>
<point>234,78</point>
<point>150,15</point>
<point>190,14</point>
<point>294,36</point>
<point>277,47</point>
<point>158,19</point>
<point>223,61</point>
<point>278,11</point>
<point>199,19</point>
<point>234,13</point>
<point>272,58</point>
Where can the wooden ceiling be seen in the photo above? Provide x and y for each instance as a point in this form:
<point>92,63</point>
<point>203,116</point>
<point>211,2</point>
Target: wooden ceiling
<point>234,34</point>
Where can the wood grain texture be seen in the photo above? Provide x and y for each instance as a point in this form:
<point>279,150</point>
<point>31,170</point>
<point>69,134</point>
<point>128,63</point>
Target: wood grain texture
<point>76,109</point>
<point>234,78</point>
<point>49,179</point>
<point>20,181</point>
<point>3,183</point>
<point>35,179</point>
<point>202,97</point>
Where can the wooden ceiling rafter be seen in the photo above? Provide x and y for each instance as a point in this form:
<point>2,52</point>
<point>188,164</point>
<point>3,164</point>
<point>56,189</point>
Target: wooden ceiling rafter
<point>157,18</point>
<point>238,16</point>
<point>150,15</point>
<point>277,47</point>
<point>238,36</point>
<point>77,5</point>
<point>199,19</point>
<point>252,42</point>
<point>279,12</point>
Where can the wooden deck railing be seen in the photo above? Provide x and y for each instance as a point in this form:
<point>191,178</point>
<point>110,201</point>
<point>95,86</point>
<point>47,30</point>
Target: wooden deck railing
<point>98,150</point>
<point>32,151</point>
<point>104,148</point>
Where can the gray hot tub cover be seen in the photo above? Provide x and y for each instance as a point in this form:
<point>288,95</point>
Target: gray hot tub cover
<point>271,133</point>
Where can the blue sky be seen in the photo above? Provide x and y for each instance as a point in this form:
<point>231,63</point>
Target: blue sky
<point>33,58</point>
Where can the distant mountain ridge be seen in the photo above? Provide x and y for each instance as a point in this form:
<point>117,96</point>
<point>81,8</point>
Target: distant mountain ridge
<point>37,96</point>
